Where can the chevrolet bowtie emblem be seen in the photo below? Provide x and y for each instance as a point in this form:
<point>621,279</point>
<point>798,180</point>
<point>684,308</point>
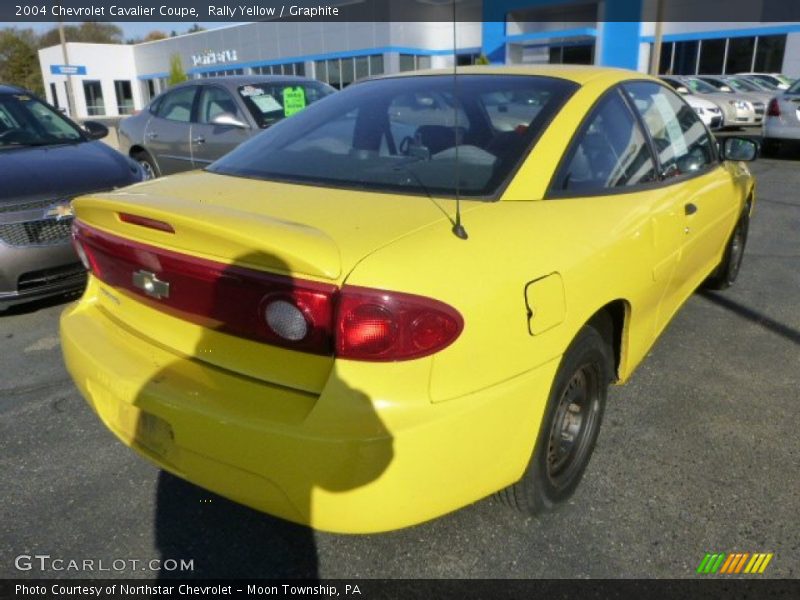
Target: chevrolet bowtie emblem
<point>151,285</point>
<point>59,211</point>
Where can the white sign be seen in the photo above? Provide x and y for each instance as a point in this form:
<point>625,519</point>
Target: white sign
<point>209,57</point>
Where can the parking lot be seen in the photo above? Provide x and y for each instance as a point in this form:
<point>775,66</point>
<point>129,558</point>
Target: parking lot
<point>698,453</point>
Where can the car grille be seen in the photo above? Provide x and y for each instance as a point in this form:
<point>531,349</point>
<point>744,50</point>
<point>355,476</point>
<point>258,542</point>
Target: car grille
<point>22,206</point>
<point>36,233</point>
<point>46,277</point>
<point>758,107</point>
<point>25,224</point>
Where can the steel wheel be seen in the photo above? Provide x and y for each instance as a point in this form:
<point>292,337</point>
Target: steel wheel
<point>573,426</point>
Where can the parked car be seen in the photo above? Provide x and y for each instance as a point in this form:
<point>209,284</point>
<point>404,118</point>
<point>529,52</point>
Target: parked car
<point>776,80</point>
<point>739,85</point>
<point>46,160</point>
<point>737,109</point>
<point>782,125</point>
<point>709,113</point>
<point>360,331</point>
<point>193,124</point>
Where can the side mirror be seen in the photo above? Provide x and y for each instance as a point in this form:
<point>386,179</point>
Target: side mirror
<point>95,130</point>
<point>230,120</point>
<point>736,148</point>
<point>725,88</point>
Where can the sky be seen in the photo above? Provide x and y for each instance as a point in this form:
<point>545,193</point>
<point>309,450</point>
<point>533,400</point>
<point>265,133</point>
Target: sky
<point>129,30</point>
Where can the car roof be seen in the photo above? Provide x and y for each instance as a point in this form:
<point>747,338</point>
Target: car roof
<point>10,89</point>
<point>580,74</point>
<point>233,81</point>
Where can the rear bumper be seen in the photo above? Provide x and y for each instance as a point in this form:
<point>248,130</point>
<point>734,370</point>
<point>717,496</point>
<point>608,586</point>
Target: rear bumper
<point>781,128</point>
<point>341,461</point>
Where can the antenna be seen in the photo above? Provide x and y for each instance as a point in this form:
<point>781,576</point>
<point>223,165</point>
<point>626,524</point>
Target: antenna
<point>458,228</point>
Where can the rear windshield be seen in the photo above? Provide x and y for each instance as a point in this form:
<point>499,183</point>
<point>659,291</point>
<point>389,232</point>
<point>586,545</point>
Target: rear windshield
<point>271,102</point>
<point>421,135</point>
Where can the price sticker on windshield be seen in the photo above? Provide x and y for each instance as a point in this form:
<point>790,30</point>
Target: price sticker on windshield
<point>294,100</point>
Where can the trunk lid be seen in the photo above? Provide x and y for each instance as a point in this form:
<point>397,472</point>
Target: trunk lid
<point>303,232</point>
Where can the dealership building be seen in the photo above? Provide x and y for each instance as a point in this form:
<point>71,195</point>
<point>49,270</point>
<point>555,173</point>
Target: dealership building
<point>112,80</point>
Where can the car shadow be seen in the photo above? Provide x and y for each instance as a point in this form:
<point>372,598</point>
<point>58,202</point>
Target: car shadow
<point>753,316</point>
<point>222,538</point>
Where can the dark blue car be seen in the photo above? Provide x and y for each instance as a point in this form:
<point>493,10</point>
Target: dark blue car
<point>45,161</point>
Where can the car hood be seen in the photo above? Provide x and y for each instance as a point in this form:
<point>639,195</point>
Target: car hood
<point>62,171</point>
<point>697,101</point>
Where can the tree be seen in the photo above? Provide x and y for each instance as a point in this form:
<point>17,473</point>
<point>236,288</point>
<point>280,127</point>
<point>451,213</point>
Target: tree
<point>19,60</point>
<point>155,35</point>
<point>482,60</point>
<point>89,32</point>
<point>176,72</point>
<point>195,28</point>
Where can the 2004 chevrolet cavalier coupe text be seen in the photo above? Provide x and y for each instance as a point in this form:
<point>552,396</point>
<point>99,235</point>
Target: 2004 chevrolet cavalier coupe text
<point>298,328</point>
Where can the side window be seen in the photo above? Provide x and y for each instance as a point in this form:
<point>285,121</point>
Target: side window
<point>682,141</point>
<point>609,152</point>
<point>215,101</point>
<point>177,105</point>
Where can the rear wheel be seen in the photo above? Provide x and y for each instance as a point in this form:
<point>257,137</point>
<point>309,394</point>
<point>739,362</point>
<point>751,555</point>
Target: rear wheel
<point>569,430</point>
<point>728,270</point>
<point>147,164</point>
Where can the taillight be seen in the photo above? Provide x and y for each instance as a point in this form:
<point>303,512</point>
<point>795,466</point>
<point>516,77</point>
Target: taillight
<point>774,109</point>
<point>352,322</point>
<point>378,325</point>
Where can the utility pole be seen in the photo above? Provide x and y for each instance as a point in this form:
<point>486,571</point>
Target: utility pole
<point>655,56</point>
<point>70,95</point>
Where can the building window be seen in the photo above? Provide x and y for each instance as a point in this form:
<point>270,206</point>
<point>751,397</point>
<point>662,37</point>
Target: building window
<point>463,60</point>
<point>572,54</point>
<point>54,95</point>
<point>665,59</point>
<point>740,55</point>
<point>376,64</point>
<point>685,61</point>
<point>93,93</point>
<point>124,97</point>
<point>769,53</point>
<point>406,62</point>
<point>712,57</point>
<point>284,69</point>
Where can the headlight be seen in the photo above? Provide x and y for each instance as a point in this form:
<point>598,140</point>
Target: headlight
<point>740,104</point>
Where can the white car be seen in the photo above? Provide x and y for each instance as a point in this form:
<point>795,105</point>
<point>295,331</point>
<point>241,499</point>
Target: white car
<point>777,80</point>
<point>709,113</point>
<point>782,123</point>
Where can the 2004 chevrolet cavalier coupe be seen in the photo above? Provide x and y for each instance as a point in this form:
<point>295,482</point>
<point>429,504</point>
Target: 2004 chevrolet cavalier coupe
<point>411,295</point>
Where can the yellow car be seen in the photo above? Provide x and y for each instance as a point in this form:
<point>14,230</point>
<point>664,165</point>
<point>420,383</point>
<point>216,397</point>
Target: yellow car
<point>409,296</point>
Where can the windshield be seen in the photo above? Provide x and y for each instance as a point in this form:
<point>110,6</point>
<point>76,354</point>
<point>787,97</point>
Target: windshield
<point>25,121</point>
<point>271,102</point>
<point>420,134</point>
<point>742,85</point>
<point>699,86</point>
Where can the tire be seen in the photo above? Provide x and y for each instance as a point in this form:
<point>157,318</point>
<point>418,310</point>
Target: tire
<point>147,164</point>
<point>726,273</point>
<point>557,463</point>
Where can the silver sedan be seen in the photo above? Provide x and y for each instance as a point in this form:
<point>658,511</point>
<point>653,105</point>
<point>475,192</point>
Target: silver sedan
<point>193,124</point>
<point>737,109</point>
<point>782,125</point>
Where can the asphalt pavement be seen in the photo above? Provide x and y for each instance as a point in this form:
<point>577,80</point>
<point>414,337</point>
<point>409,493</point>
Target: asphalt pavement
<point>699,453</point>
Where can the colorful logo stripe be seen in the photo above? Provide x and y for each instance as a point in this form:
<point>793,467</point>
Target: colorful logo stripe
<point>735,563</point>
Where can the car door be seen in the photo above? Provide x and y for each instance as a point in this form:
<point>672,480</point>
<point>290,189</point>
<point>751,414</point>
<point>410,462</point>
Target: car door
<point>704,192</point>
<point>611,173</point>
<point>167,134</point>
<point>212,140</point>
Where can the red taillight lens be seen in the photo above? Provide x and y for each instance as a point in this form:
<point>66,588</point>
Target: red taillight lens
<point>377,325</point>
<point>369,324</point>
<point>774,109</point>
<point>146,222</point>
<point>228,298</point>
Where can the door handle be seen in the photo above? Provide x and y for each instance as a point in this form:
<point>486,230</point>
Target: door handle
<point>198,140</point>
<point>152,135</point>
<point>690,208</point>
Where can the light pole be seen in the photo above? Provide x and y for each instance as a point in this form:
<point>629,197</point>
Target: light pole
<point>70,96</point>
<point>655,56</point>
